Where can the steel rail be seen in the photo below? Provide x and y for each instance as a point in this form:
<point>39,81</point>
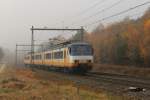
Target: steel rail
<point>122,80</point>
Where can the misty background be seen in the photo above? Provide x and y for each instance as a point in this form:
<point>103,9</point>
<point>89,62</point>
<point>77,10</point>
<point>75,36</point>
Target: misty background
<point>17,17</point>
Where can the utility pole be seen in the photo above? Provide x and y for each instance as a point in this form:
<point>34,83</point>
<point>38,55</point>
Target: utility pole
<point>32,45</point>
<point>23,50</point>
<point>49,29</point>
<point>53,29</point>
<point>16,55</point>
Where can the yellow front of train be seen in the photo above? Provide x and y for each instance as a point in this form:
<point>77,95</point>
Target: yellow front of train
<point>81,56</point>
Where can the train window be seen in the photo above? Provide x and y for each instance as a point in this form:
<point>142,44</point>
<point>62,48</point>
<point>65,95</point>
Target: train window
<point>48,56</point>
<point>58,55</point>
<point>38,57</point>
<point>33,57</point>
<point>77,50</point>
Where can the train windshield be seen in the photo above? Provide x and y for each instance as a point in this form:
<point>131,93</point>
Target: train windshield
<point>81,50</point>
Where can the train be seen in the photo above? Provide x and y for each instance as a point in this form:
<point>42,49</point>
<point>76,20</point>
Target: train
<point>71,57</point>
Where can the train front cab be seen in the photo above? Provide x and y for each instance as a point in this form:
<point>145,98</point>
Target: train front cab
<point>80,57</point>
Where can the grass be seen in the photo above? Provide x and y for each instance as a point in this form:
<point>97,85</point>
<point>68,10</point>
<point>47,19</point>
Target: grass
<point>6,90</point>
<point>31,88</point>
<point>125,70</point>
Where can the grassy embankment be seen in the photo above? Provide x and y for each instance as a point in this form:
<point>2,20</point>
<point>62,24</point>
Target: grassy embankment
<point>123,70</point>
<point>21,84</point>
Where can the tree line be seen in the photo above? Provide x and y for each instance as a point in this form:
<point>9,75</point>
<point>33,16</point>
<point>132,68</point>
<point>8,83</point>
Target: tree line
<point>126,42</point>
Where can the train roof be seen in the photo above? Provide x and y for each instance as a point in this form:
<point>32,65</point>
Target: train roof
<point>67,44</point>
<point>79,43</point>
<point>64,45</point>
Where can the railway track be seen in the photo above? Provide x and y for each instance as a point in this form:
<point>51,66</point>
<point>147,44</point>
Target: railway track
<point>112,83</point>
<point>125,80</point>
<point>100,78</point>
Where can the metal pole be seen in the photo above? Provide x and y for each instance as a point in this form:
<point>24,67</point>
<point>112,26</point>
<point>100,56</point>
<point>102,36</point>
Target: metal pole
<point>23,50</point>
<point>54,29</point>
<point>32,45</point>
<point>43,54</point>
<point>16,55</point>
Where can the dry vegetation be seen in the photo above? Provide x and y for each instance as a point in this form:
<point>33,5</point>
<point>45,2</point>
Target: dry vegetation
<point>22,84</point>
<point>122,70</point>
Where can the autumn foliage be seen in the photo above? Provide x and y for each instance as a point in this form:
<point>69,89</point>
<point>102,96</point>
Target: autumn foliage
<point>126,42</point>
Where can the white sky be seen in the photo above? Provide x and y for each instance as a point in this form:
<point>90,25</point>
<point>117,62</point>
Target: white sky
<point>17,16</point>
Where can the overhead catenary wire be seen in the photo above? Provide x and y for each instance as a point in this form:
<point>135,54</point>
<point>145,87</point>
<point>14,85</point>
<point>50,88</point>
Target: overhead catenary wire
<point>117,14</point>
<point>140,13</point>
<point>91,7</point>
<point>88,9</point>
<point>103,10</point>
<point>136,15</point>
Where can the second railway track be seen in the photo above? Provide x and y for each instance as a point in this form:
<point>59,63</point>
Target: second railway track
<point>120,79</point>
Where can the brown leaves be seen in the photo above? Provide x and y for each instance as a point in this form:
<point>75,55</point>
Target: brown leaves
<point>125,42</point>
<point>145,47</point>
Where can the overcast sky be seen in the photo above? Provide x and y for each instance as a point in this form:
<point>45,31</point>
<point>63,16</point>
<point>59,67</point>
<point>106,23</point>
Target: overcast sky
<point>17,16</point>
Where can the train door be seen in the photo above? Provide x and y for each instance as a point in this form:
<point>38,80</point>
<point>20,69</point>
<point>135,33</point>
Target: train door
<point>65,57</point>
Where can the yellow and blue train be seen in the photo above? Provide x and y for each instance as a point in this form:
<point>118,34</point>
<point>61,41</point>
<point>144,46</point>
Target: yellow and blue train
<point>73,57</point>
